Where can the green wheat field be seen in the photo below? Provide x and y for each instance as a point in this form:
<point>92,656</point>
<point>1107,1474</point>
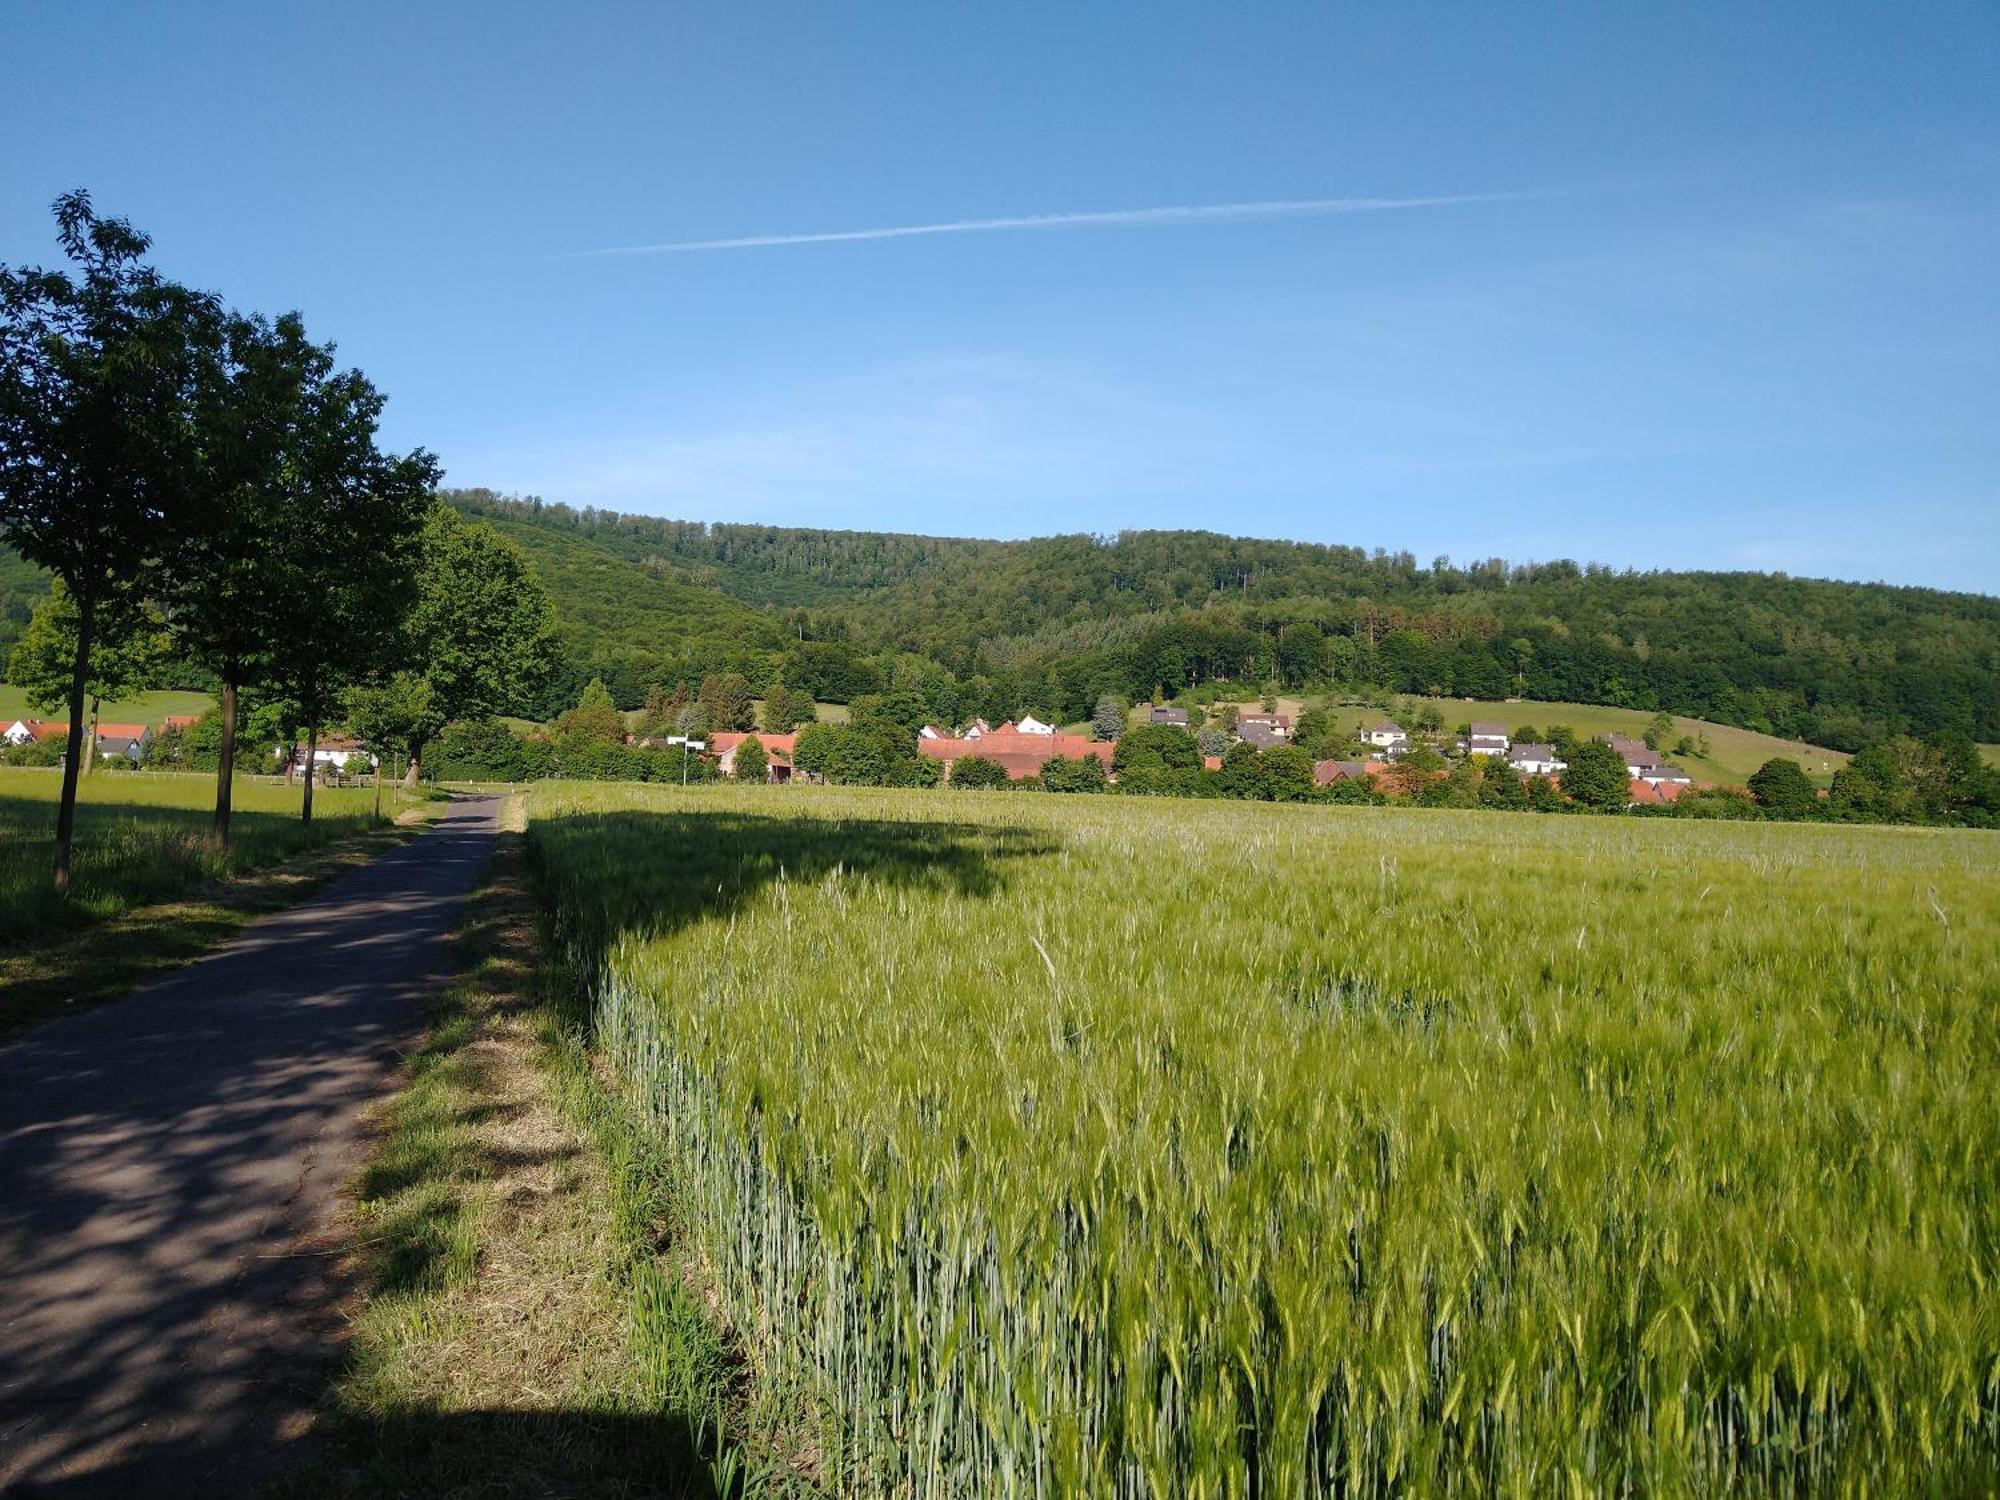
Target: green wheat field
<point>1101,1146</point>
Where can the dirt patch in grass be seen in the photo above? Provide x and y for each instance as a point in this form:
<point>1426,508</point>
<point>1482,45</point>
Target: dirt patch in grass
<point>525,1329</point>
<point>76,970</point>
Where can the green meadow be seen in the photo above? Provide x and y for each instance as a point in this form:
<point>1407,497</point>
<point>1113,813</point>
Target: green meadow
<point>1102,1146</point>
<point>142,836</point>
<point>141,708</point>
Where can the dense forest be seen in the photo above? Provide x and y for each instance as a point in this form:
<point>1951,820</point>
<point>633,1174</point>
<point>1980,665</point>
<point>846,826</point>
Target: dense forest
<point>1054,621</point>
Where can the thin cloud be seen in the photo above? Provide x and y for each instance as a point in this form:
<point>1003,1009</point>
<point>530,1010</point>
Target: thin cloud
<point>1289,208</point>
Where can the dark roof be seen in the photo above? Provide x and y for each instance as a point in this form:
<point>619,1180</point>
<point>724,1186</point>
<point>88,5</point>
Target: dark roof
<point>1326,772</point>
<point>1489,731</point>
<point>1533,752</point>
<point>1162,713</point>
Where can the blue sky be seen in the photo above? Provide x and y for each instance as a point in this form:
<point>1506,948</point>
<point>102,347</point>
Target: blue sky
<point>1722,290</point>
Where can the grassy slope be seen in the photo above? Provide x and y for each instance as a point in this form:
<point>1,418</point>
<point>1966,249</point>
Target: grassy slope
<point>1733,754</point>
<point>144,708</point>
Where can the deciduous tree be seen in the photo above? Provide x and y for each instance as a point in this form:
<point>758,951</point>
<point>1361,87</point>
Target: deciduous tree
<point>479,633</point>
<point>131,652</point>
<point>1596,777</point>
<point>99,370</point>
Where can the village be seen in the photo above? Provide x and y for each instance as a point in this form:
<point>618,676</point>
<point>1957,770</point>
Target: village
<point>1023,749</point>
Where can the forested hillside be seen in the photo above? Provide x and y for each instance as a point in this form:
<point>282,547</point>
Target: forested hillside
<point>1054,621</point>
<point>1050,623</point>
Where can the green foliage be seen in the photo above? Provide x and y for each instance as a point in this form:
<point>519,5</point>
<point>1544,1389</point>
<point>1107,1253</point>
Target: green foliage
<point>1085,773</point>
<point>977,773</point>
<point>131,651</point>
<point>865,752</point>
<point>595,716</point>
<point>725,702</point>
<point>785,710</point>
<point>1158,747</point>
<point>1596,777</point>
<point>1287,774</point>
<point>750,761</point>
<point>487,750</point>
<point>1500,785</point>
<point>1107,719</point>
<point>388,716</point>
<point>1367,1153</point>
<point>1782,789</point>
<point>479,630</point>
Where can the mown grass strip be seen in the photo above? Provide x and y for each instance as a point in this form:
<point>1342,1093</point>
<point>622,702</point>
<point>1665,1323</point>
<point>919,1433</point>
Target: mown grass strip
<point>528,1326</point>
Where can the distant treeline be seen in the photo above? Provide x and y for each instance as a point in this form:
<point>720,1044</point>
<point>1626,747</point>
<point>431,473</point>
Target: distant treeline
<point>1053,623</point>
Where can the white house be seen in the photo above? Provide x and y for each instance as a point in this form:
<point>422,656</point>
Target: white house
<point>1654,775</point>
<point>1031,725</point>
<point>1639,756</point>
<point>1487,739</point>
<point>1386,736</point>
<point>1536,760</point>
<point>17,733</point>
<point>333,754</point>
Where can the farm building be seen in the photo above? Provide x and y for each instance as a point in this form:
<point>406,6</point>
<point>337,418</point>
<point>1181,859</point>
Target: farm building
<point>1021,752</point>
<point>778,749</point>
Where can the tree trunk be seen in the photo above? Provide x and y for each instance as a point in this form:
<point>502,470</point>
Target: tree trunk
<point>410,776</point>
<point>225,768</point>
<point>312,748</point>
<point>90,756</point>
<point>86,618</point>
<point>379,768</point>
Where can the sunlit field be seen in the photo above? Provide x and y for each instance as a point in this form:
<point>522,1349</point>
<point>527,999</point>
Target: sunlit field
<point>141,836</point>
<point>1117,1147</point>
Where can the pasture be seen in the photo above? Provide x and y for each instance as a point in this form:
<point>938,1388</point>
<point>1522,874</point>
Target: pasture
<point>1733,753</point>
<point>141,837</point>
<point>141,708</point>
<point>1107,1146</point>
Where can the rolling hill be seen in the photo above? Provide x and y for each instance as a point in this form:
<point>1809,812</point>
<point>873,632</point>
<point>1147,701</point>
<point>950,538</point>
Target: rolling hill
<point>1051,623</point>
<point>1054,620</point>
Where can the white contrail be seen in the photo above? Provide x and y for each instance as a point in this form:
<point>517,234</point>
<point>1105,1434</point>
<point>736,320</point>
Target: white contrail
<point>1280,209</point>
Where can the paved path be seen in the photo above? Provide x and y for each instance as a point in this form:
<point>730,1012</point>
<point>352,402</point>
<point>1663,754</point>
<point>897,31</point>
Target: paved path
<point>169,1168</point>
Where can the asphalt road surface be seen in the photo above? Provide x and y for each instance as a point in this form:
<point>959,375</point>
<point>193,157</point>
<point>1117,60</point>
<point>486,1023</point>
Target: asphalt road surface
<point>169,1176</point>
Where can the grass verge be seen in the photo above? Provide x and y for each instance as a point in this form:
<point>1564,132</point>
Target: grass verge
<point>74,970</point>
<point>528,1325</point>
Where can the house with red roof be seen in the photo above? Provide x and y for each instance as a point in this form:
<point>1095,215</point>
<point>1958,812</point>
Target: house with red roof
<point>1018,750</point>
<point>778,751</point>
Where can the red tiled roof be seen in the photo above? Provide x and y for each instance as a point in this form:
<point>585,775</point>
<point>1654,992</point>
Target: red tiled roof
<point>180,721</point>
<point>1022,755</point>
<point>123,731</point>
<point>728,740</point>
<point>1647,794</point>
<point>47,729</point>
